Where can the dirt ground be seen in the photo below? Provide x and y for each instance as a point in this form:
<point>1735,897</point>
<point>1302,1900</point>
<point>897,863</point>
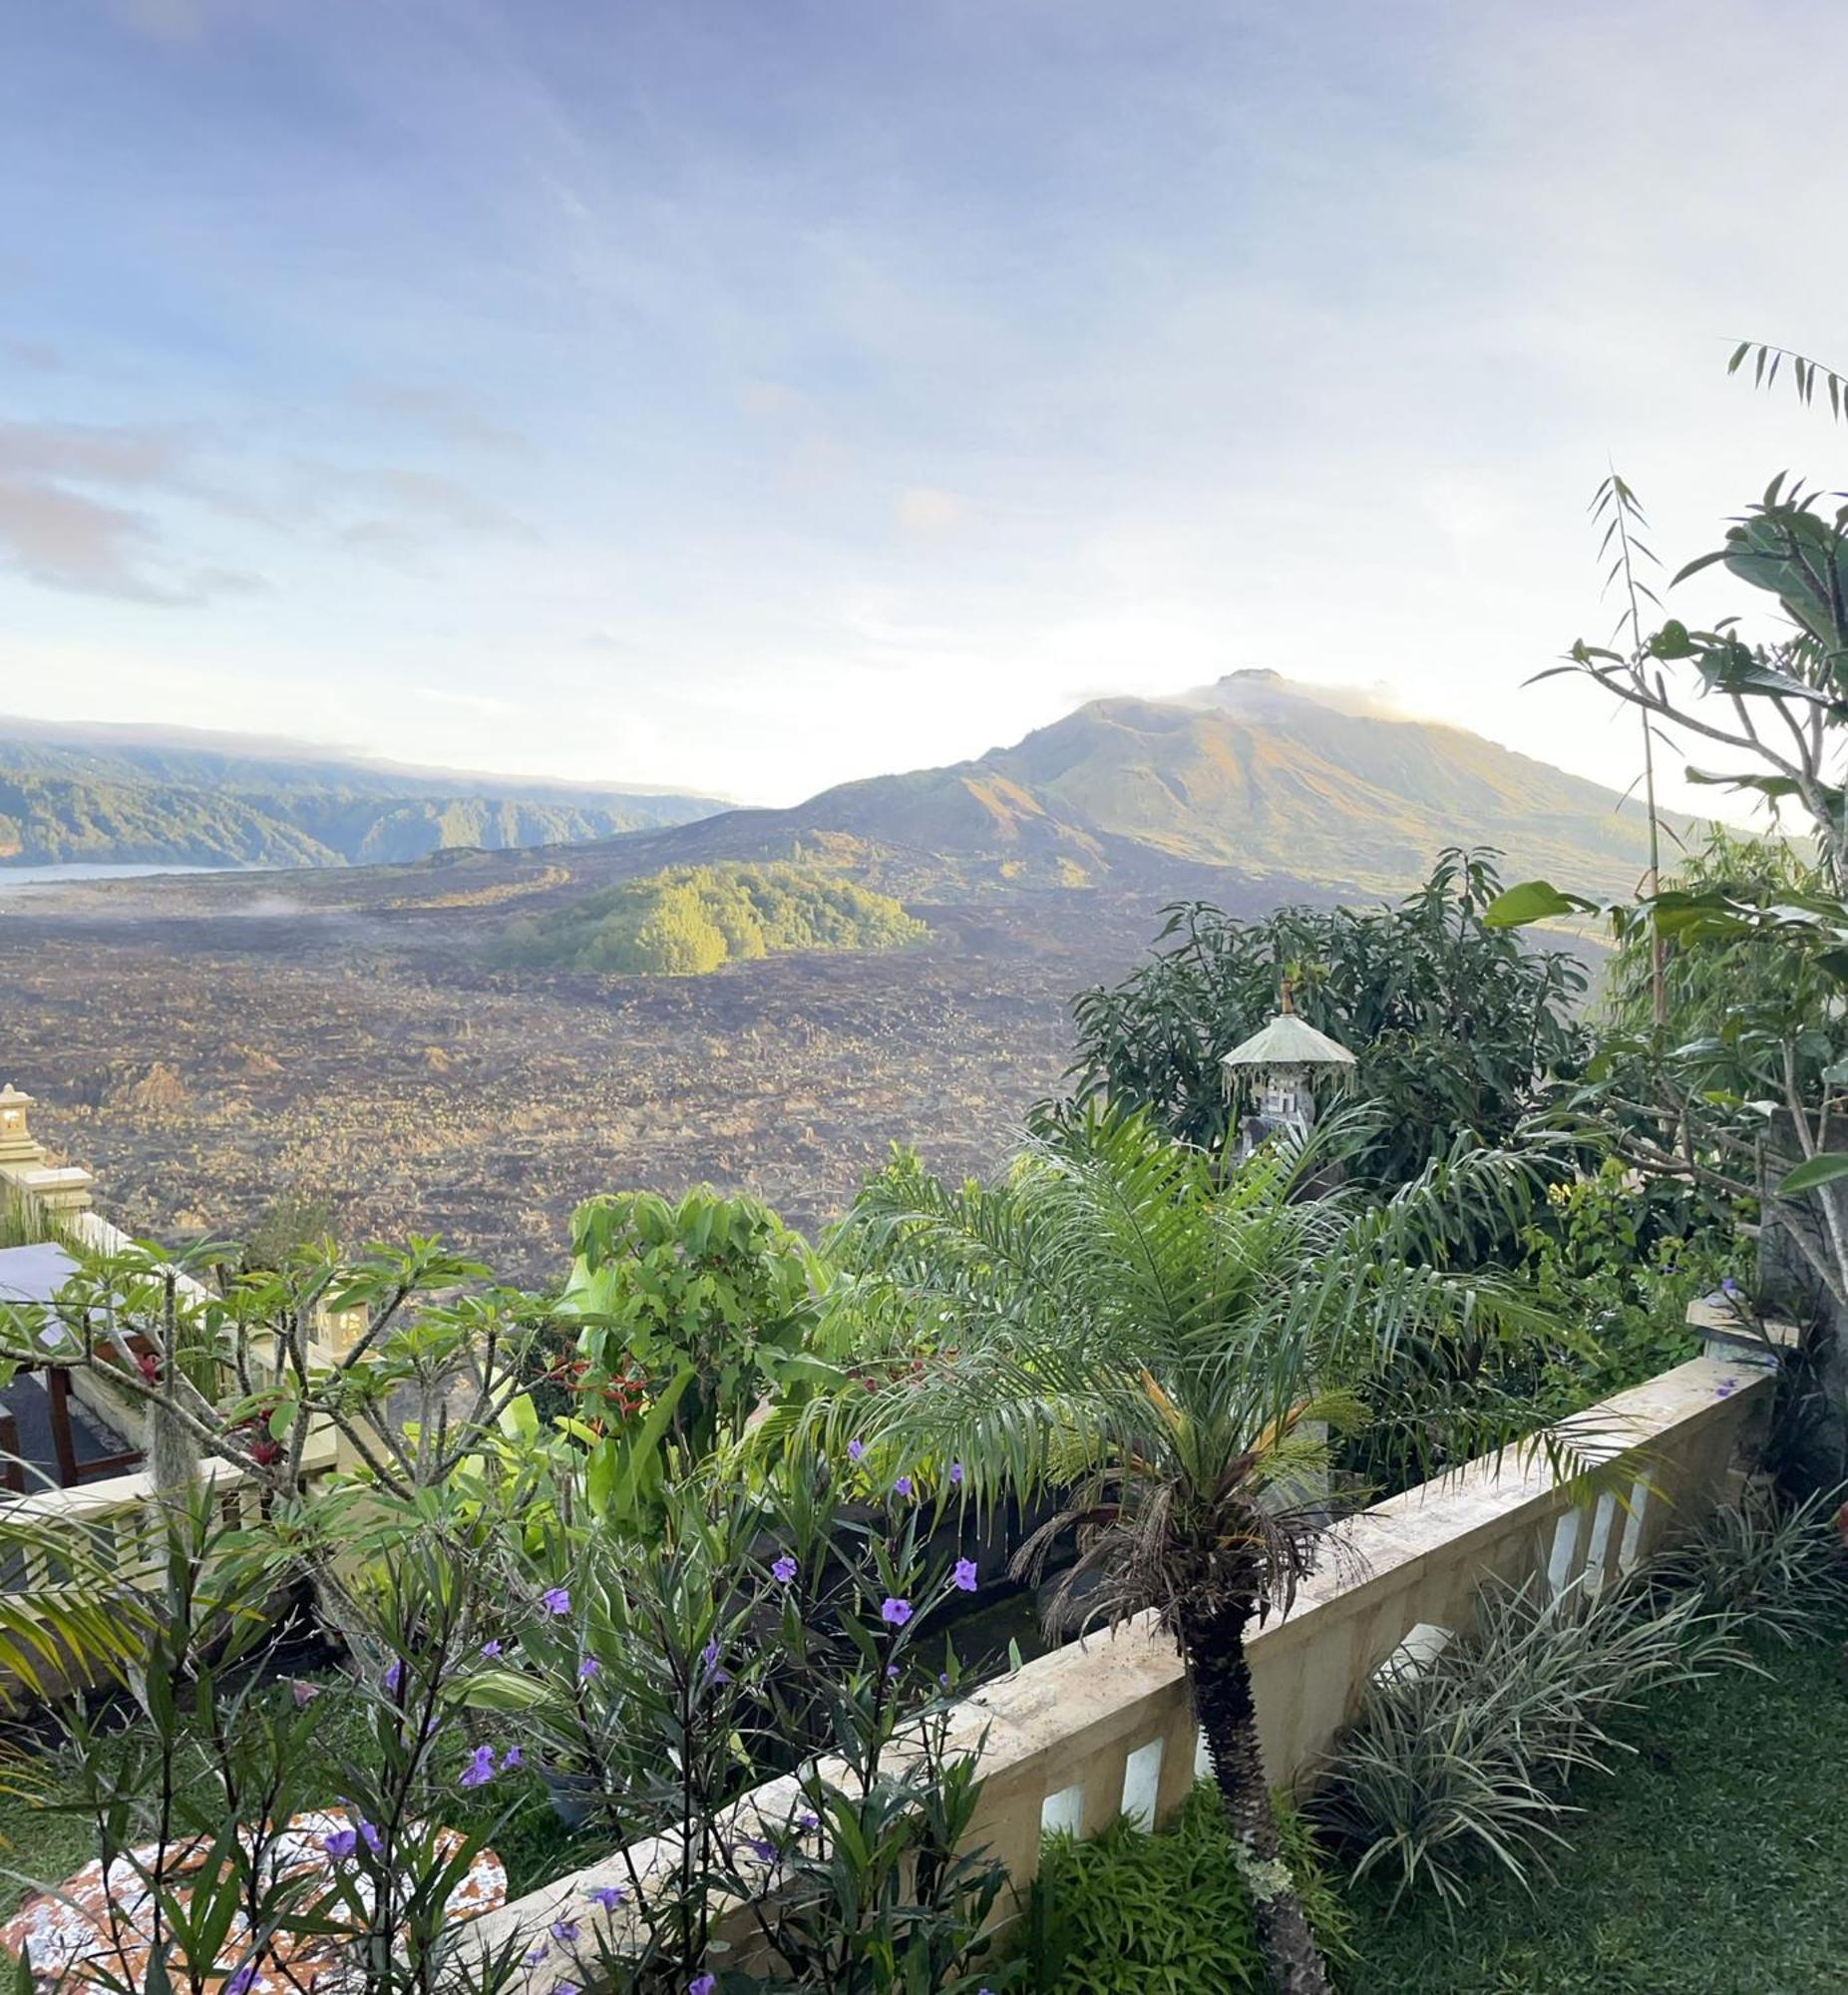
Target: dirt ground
<point>206,1047</point>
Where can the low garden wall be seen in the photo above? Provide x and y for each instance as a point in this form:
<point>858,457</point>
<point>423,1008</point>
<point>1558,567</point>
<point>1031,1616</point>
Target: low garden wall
<point>1106,1727</point>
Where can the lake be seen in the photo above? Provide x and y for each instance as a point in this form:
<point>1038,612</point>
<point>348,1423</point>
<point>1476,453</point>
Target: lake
<point>14,879</point>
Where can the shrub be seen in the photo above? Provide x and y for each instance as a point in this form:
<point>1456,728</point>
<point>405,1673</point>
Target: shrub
<point>1457,1028</point>
<point>1620,1262</point>
<point>1464,1758</point>
<point>688,921</point>
<point>1133,1913</point>
<point>1781,1566</point>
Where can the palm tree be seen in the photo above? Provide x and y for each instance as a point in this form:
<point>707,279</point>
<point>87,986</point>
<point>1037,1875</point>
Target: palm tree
<point>1164,1351</point>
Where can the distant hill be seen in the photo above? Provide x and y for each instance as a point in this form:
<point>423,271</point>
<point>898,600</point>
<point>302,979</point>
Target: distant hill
<point>1254,774</point>
<point>130,795</point>
<point>692,920</point>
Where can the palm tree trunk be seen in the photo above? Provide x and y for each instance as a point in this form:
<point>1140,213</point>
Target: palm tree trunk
<point>1214,1645</point>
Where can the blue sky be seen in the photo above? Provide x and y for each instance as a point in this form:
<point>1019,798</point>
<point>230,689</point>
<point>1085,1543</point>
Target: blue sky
<point>751,396</point>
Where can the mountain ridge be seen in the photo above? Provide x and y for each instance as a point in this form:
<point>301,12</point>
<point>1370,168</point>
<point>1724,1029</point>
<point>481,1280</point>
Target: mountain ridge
<point>124,794</point>
<point>1255,774</point>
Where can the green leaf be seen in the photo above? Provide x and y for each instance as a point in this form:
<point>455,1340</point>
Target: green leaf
<point>1823,1170</point>
<point>501,1690</point>
<point>1533,901</point>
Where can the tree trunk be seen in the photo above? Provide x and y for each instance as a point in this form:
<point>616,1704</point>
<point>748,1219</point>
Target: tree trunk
<point>1222,1681</point>
<point>172,1458</point>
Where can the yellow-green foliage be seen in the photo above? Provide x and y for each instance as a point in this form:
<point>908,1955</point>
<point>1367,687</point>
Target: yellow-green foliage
<point>691,919</point>
<point>1130,1914</point>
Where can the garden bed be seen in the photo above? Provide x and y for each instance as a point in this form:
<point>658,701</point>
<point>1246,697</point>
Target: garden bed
<point>1712,1862</point>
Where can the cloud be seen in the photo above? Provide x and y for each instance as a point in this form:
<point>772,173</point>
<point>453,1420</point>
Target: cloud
<point>926,511</point>
<point>170,21</point>
<point>67,540</point>
<point>58,533</point>
<point>445,413</point>
<point>445,502</point>
<point>40,355</point>
<point>71,542</point>
<point>92,453</point>
<point>772,398</point>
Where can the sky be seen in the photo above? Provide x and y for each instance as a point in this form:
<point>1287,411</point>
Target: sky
<point>747,395</point>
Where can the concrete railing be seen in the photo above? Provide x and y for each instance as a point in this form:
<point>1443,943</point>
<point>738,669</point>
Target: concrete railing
<point>1107,1725</point>
<point>113,1517</point>
<point>61,1196</point>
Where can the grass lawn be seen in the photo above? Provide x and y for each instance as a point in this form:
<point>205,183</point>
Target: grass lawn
<point>1714,1864</point>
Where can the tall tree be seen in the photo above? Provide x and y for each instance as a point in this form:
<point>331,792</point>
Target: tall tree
<point>1456,1025</point>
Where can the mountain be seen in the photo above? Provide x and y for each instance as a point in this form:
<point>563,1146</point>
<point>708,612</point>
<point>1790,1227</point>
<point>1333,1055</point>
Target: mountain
<point>1254,773</point>
<point>134,795</point>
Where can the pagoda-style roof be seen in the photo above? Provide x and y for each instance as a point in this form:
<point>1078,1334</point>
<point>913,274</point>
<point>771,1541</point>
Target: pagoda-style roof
<point>1288,1040</point>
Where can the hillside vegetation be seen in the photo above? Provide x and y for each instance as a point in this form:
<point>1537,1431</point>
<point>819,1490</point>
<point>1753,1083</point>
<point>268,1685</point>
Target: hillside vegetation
<point>691,920</point>
<point>132,796</point>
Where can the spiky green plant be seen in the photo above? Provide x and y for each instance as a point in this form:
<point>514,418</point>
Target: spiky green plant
<point>1462,1760</point>
<point>1779,1565</point>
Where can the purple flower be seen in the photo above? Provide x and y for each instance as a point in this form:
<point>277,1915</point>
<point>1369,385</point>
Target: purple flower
<point>702,1984</point>
<point>480,1770</point>
<point>491,1650</point>
<point>394,1677</point>
<point>964,1576</point>
<point>765,1852</point>
<point>1727,1387</point>
<point>563,1931</point>
<point>510,1759</point>
<point>709,1655</point>
<point>1730,1287</point>
<point>806,1821</point>
<point>240,1983</point>
<point>943,1677</point>
<point>896,1612</point>
<point>341,1844</point>
<point>955,1476</point>
<point>536,1954</point>
<point>587,1669</point>
<point>856,1449</point>
<point>369,1836</point>
<point>785,1569</point>
<point>610,1896</point>
<point>304,1693</point>
<point>556,1600</point>
<point>902,1487</point>
<point>566,1988</point>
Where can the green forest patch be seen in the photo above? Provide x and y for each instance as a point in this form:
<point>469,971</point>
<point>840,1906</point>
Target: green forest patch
<point>690,920</point>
